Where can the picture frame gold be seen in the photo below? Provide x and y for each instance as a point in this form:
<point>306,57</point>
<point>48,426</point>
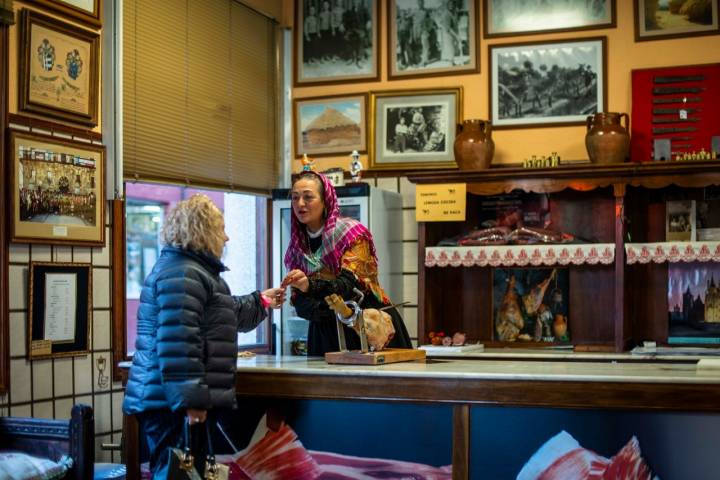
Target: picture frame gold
<point>57,190</point>
<point>85,11</point>
<point>340,121</point>
<point>59,309</point>
<point>59,69</point>
<point>431,117</point>
<point>654,23</point>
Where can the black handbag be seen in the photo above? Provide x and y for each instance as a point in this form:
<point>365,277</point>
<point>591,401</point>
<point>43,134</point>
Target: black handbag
<point>180,465</point>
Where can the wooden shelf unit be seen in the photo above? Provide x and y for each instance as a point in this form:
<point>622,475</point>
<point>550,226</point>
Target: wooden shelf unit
<point>611,307</point>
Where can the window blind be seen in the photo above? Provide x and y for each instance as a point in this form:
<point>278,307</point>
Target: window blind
<point>199,94</point>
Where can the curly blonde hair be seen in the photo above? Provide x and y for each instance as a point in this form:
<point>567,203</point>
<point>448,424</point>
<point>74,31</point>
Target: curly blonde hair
<point>195,224</point>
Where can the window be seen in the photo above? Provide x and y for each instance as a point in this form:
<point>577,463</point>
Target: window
<point>146,207</point>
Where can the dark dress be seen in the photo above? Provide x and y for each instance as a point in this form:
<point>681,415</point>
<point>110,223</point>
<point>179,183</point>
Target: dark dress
<point>322,331</point>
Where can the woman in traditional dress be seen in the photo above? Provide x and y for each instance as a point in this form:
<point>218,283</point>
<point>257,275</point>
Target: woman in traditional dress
<point>331,254</point>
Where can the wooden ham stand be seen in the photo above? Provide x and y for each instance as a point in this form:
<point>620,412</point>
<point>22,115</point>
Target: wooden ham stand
<point>348,316</point>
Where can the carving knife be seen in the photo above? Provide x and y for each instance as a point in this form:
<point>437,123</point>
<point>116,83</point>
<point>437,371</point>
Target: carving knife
<point>670,111</point>
<point>673,90</point>
<point>677,100</point>
<point>679,139</point>
<point>661,130</point>
<point>679,78</point>
<point>674,120</point>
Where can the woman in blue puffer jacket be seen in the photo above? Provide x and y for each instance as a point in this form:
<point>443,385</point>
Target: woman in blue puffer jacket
<point>186,348</point>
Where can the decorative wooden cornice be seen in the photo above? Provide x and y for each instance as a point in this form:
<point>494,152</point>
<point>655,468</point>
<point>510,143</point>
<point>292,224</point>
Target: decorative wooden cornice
<point>520,255</point>
<point>672,252</point>
<point>582,177</point>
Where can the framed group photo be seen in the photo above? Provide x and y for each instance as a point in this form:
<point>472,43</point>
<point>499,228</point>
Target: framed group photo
<point>57,190</point>
<point>332,125</point>
<point>60,309</point>
<point>547,83</point>
<point>432,37</point>
<point>658,20</point>
<point>85,11</point>
<point>336,41</point>
<point>59,69</point>
<point>503,18</point>
<point>414,129</point>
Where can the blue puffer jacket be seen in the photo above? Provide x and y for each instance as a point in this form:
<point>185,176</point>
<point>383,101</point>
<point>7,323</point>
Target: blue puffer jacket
<point>186,348</point>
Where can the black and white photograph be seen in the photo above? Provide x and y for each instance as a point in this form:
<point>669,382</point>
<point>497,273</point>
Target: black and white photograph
<point>547,83</point>
<point>504,18</point>
<point>432,37</point>
<point>414,129</point>
<point>336,41</point>
<point>680,221</point>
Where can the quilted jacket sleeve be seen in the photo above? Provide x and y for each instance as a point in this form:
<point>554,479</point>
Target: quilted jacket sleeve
<point>249,311</point>
<point>181,295</point>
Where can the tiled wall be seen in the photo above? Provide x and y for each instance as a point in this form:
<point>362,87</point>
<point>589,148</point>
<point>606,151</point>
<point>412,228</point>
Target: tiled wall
<point>49,388</point>
<point>410,245</point>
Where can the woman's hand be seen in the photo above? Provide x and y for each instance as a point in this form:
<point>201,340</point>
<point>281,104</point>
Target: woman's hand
<point>276,297</point>
<point>296,278</point>
<point>195,416</point>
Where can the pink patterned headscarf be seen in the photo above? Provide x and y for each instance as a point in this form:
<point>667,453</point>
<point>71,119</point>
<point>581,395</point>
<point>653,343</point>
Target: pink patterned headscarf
<point>339,233</point>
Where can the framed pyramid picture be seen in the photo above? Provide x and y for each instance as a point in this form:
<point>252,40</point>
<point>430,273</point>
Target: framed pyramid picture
<point>330,125</point>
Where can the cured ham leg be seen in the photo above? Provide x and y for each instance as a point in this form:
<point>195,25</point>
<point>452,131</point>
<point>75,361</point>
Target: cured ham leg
<point>509,319</point>
<point>533,299</point>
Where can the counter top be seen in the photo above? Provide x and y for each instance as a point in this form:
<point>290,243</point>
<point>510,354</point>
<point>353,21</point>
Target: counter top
<point>474,369</point>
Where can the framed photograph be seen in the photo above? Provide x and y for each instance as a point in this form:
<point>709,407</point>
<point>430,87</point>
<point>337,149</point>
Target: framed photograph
<point>504,18</point>
<point>544,84</point>
<point>59,67</point>
<point>531,305</point>
<point>57,190</point>
<point>60,309</point>
<point>694,303</point>
<point>336,41</point>
<point>661,19</point>
<point>432,37</point>
<point>414,129</point>
<point>680,221</point>
<point>85,11</point>
<point>330,125</point>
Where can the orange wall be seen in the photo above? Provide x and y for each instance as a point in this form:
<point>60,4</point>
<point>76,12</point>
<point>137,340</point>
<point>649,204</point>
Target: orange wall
<point>512,146</point>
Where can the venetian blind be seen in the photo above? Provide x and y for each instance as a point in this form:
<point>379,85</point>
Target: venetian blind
<point>199,94</point>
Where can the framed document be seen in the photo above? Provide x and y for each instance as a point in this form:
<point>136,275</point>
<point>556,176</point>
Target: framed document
<point>60,309</point>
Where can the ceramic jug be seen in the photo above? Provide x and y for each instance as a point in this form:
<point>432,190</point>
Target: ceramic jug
<point>607,140</point>
<point>474,146</point>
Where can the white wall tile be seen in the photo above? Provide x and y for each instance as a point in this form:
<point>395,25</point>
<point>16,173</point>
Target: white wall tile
<point>100,454</point>
<point>82,254</point>
<point>84,399</point>
<point>63,408</point>
<point>117,400</point>
<point>41,253</point>
<point>410,289</point>
<point>388,184</point>
<point>103,407</point>
<point>20,380</point>
<point>83,375</point>
<point>62,253</point>
<point>101,255</point>
<point>410,228</point>
<point>410,257</point>
<point>101,330</point>
<point>63,376</point>
<point>19,252</point>
<point>101,287</point>
<point>116,439</point>
<point>21,411</point>
<point>411,321</point>
<point>18,282</point>
<point>107,373</point>
<point>407,190</point>
<point>18,335</point>
<point>42,379</point>
<point>43,410</point>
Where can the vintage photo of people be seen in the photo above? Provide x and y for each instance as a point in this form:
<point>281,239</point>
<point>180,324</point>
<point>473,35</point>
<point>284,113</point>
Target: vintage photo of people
<point>416,129</point>
<point>56,188</point>
<point>432,36</point>
<point>337,40</point>
<point>548,83</point>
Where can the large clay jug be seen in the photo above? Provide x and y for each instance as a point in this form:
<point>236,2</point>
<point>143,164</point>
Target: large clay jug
<point>474,146</point>
<point>607,140</point>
